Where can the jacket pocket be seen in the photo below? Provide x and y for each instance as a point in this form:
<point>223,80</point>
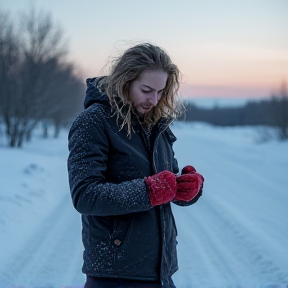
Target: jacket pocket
<point>100,228</point>
<point>121,228</point>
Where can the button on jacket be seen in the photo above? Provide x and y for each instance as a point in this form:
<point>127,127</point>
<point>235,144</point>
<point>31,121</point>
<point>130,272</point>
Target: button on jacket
<point>123,235</point>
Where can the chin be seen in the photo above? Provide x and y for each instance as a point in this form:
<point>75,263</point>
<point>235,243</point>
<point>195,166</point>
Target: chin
<point>142,113</point>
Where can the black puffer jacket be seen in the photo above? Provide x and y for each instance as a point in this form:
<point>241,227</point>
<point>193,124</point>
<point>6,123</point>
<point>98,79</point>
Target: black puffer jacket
<point>123,235</point>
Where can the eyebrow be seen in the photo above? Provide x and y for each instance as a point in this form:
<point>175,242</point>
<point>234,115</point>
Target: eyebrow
<point>146,86</point>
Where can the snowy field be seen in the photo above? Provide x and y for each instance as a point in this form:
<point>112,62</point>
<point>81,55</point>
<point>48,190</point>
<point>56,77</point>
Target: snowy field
<point>235,236</point>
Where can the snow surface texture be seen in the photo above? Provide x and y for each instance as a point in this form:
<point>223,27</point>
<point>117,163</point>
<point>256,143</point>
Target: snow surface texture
<point>235,236</point>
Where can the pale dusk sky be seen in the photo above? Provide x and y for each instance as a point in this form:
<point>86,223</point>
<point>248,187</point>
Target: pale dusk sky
<point>224,48</point>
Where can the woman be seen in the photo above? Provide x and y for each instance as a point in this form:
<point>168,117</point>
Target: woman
<point>123,174</point>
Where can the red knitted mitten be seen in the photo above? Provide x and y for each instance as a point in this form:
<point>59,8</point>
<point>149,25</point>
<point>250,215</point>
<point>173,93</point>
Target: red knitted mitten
<point>189,184</point>
<point>161,187</point>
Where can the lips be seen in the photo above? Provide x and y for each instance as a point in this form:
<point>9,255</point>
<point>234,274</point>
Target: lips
<point>143,109</point>
<point>146,107</point>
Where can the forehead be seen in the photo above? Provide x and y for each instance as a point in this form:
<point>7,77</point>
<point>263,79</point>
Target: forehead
<point>155,79</point>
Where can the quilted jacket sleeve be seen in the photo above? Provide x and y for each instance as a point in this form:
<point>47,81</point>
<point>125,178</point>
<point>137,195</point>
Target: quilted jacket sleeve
<point>87,165</point>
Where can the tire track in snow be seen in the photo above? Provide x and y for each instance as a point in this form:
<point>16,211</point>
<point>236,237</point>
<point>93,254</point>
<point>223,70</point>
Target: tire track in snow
<point>52,254</point>
<point>222,239</point>
<point>239,238</point>
<point>222,248</point>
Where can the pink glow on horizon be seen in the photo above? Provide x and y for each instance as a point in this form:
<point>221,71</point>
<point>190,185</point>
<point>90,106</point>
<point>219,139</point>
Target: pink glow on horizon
<point>190,91</point>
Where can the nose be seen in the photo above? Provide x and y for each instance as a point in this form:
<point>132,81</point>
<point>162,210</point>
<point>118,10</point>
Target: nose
<point>154,99</point>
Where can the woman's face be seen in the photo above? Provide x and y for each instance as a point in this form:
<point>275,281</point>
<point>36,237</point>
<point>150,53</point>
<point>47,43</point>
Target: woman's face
<point>146,90</point>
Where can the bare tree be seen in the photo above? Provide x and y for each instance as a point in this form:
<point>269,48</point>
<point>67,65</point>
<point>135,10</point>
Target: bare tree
<point>279,111</point>
<point>64,94</point>
<point>10,62</point>
<point>43,48</point>
<point>68,99</point>
<point>29,61</point>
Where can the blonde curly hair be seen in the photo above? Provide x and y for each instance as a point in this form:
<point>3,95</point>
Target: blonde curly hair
<point>127,68</point>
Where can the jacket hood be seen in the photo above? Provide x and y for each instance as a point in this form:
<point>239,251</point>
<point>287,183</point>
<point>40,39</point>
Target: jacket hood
<point>93,95</point>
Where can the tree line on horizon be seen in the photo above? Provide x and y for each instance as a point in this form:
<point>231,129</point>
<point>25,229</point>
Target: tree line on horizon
<point>272,112</point>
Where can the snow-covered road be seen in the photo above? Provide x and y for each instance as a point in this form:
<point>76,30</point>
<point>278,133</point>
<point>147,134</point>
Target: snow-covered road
<point>235,236</point>
<point>51,255</point>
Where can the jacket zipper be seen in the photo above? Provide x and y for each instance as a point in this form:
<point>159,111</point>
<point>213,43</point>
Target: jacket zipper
<point>161,208</point>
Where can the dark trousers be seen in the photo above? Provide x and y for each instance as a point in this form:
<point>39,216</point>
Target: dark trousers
<point>95,282</point>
